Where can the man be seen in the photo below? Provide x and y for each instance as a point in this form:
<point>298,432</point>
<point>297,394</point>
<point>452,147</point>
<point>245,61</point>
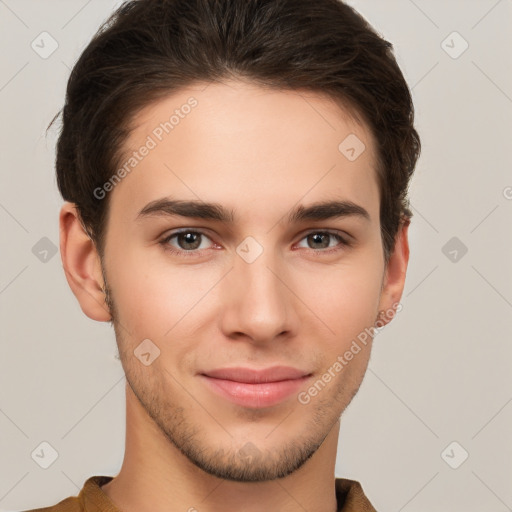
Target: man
<point>235,175</point>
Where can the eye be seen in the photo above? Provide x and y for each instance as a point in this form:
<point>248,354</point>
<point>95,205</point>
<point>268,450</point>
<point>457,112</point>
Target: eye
<point>189,242</point>
<point>321,240</point>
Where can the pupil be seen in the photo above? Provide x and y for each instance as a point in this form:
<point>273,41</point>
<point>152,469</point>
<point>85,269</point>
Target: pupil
<point>190,238</point>
<point>318,237</point>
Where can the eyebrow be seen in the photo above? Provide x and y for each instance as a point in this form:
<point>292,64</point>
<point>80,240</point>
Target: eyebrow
<point>193,209</point>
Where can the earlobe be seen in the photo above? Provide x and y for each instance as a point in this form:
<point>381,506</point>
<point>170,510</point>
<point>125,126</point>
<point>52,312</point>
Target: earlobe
<point>394,278</point>
<point>81,264</point>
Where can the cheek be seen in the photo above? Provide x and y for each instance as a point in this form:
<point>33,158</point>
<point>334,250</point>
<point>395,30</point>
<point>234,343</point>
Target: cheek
<point>348,307</point>
<point>153,294</point>
<point>344,297</point>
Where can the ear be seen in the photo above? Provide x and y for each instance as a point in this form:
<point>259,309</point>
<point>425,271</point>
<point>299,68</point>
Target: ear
<point>81,263</point>
<point>394,277</point>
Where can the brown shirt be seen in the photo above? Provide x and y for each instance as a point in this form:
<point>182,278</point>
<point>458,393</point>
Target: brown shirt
<point>349,494</point>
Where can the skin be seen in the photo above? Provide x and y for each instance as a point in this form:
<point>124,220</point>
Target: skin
<point>258,152</point>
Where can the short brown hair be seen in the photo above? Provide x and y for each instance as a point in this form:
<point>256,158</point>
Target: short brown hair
<point>148,49</point>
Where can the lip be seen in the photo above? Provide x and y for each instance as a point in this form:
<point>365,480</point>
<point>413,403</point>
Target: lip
<point>255,388</point>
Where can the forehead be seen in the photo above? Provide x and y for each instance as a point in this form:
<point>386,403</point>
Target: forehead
<point>248,147</point>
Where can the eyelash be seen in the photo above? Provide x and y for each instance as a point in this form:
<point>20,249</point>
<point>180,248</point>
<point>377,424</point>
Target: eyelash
<point>195,253</point>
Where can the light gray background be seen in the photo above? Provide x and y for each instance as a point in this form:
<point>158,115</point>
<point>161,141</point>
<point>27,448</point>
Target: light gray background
<point>440,372</point>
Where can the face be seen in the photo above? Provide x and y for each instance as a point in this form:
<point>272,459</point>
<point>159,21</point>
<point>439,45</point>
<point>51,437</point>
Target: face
<point>219,299</point>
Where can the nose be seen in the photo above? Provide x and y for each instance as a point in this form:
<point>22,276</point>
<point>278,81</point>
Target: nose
<point>258,303</point>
